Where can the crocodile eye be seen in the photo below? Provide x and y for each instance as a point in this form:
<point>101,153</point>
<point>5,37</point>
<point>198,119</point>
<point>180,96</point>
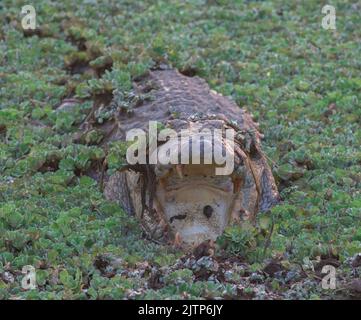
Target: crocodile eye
<point>207,211</point>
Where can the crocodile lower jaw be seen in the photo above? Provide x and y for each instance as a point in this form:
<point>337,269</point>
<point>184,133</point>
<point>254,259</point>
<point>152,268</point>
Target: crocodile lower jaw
<point>197,208</point>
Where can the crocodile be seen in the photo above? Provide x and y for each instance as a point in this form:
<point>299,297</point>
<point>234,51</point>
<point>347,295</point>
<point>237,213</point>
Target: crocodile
<point>189,203</point>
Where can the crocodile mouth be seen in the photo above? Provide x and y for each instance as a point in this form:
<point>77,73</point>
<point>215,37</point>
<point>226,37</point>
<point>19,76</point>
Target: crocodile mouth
<point>197,205</point>
<point>194,200</point>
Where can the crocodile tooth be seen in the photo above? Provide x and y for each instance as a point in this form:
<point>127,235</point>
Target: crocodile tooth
<point>236,185</point>
<point>177,240</point>
<point>179,169</point>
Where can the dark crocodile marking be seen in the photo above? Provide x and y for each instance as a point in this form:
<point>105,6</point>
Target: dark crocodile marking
<point>178,217</point>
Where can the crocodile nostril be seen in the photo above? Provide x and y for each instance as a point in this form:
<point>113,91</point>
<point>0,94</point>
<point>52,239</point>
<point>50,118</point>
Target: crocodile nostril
<point>207,211</point>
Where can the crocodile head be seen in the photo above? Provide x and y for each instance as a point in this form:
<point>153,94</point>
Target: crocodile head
<point>215,181</point>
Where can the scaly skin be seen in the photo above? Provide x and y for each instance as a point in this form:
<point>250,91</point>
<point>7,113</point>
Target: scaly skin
<point>189,203</point>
